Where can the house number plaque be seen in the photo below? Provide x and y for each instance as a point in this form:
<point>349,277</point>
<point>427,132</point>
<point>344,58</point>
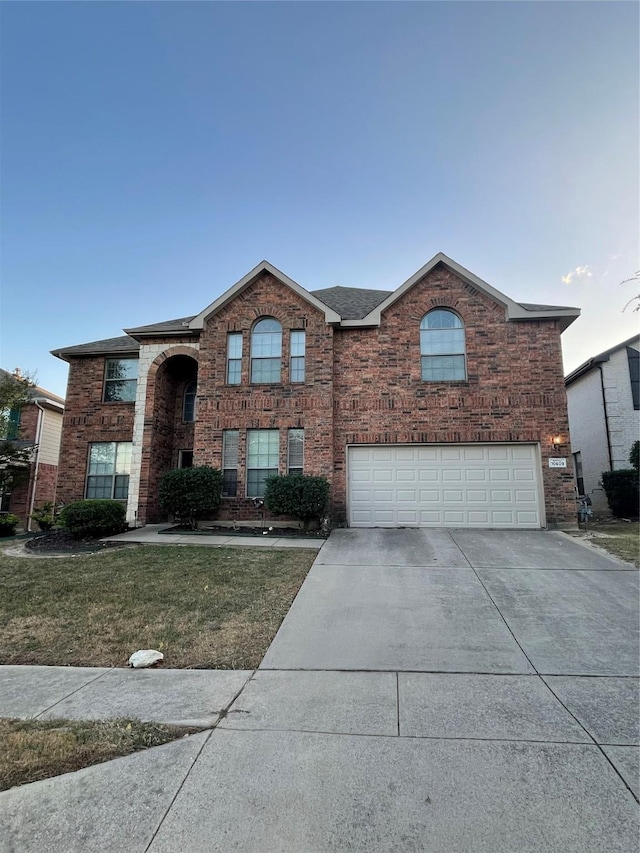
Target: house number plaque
<point>557,463</point>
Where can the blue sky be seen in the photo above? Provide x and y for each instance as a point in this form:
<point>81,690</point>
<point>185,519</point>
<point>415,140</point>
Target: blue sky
<point>153,153</point>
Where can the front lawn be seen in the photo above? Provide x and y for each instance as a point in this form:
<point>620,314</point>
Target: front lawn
<point>620,538</point>
<point>207,608</point>
<point>31,750</point>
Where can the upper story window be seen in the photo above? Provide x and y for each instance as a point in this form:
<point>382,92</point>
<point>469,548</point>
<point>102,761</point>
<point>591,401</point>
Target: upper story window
<point>13,424</point>
<point>120,379</point>
<point>442,347</point>
<point>234,358</point>
<point>266,351</point>
<point>296,368</point>
<point>189,402</point>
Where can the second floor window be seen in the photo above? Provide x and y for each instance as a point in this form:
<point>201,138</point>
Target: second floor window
<point>296,370</point>
<point>121,375</point>
<point>234,358</point>
<point>266,351</point>
<point>189,402</point>
<point>442,347</point>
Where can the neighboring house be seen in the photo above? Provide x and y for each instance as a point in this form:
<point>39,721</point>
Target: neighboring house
<point>38,424</point>
<point>603,397</point>
<point>434,405</point>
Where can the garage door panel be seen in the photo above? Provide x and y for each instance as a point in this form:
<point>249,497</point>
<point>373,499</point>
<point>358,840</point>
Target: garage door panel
<point>451,491</point>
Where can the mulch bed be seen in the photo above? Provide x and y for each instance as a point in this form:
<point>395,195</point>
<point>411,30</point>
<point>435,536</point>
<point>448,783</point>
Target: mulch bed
<point>61,542</point>
<point>220,530</point>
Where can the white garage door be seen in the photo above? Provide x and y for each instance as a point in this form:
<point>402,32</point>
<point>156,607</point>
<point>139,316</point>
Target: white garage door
<point>462,485</point>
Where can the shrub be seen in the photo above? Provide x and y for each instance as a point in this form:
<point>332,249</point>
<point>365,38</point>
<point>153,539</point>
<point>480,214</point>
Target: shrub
<point>44,516</point>
<point>191,493</point>
<point>298,496</point>
<point>634,456</point>
<point>8,524</point>
<point>93,518</point>
<point>621,489</point>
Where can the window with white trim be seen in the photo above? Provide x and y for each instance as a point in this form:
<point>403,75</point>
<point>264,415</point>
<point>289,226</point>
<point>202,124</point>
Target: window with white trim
<point>295,451</point>
<point>230,463</point>
<point>120,380</point>
<point>266,351</point>
<point>189,402</point>
<point>108,470</point>
<point>234,358</point>
<point>297,356</point>
<point>263,454</point>
<point>442,347</point>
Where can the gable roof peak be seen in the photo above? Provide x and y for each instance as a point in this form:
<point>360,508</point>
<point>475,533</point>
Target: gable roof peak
<point>198,321</point>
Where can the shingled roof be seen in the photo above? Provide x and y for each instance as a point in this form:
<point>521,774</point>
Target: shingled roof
<point>352,303</point>
<point>105,347</point>
<point>181,325</point>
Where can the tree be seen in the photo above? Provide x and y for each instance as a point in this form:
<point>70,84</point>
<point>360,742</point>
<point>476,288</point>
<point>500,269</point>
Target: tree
<point>15,457</point>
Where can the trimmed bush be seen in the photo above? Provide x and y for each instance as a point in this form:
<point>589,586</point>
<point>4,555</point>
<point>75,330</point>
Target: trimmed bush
<point>298,496</point>
<point>621,489</point>
<point>634,456</point>
<point>190,494</point>
<point>8,524</point>
<point>93,518</point>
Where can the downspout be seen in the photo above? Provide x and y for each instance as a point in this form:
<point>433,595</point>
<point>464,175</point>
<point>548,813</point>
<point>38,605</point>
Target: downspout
<point>37,462</point>
<point>606,417</point>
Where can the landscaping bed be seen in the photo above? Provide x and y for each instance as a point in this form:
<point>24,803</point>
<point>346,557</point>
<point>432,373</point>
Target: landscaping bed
<point>61,542</point>
<point>205,608</point>
<point>31,750</point>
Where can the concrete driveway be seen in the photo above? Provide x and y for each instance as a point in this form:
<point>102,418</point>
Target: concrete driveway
<point>429,690</point>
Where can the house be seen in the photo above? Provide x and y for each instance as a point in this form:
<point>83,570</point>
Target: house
<point>435,404</point>
<point>37,425</point>
<point>603,397</point>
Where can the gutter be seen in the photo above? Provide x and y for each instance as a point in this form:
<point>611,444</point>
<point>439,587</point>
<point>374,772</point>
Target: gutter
<point>37,463</point>
<point>606,417</point>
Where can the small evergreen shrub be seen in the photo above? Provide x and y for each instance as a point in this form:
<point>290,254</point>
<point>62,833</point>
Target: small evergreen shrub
<point>634,456</point>
<point>298,496</point>
<point>8,524</point>
<point>93,518</point>
<point>621,489</point>
<point>44,516</point>
<point>190,494</point>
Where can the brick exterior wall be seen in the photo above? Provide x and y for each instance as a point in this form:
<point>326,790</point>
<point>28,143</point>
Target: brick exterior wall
<point>514,391</point>
<point>87,419</point>
<point>283,406</point>
<point>362,386</point>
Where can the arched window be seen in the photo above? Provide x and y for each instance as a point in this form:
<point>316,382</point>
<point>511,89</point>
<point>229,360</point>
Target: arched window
<point>442,348</point>
<point>189,402</point>
<point>266,351</point>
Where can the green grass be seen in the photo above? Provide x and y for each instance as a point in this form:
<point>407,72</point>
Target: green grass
<point>622,539</point>
<point>211,608</point>
<point>31,750</point>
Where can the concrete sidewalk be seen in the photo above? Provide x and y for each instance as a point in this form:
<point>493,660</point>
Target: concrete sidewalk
<point>151,534</point>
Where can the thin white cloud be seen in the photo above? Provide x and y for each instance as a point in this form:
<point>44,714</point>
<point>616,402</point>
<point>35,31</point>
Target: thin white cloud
<point>578,272</point>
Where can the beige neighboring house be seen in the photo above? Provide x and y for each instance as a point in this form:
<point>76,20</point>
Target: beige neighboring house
<point>603,397</point>
<point>39,425</point>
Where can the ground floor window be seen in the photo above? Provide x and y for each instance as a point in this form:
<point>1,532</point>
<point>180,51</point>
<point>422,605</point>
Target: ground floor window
<point>230,462</point>
<point>295,451</point>
<point>263,453</point>
<point>108,470</point>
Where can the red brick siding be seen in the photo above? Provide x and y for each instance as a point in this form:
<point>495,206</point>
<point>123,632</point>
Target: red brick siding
<point>87,419</point>
<point>282,406</point>
<point>514,390</point>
